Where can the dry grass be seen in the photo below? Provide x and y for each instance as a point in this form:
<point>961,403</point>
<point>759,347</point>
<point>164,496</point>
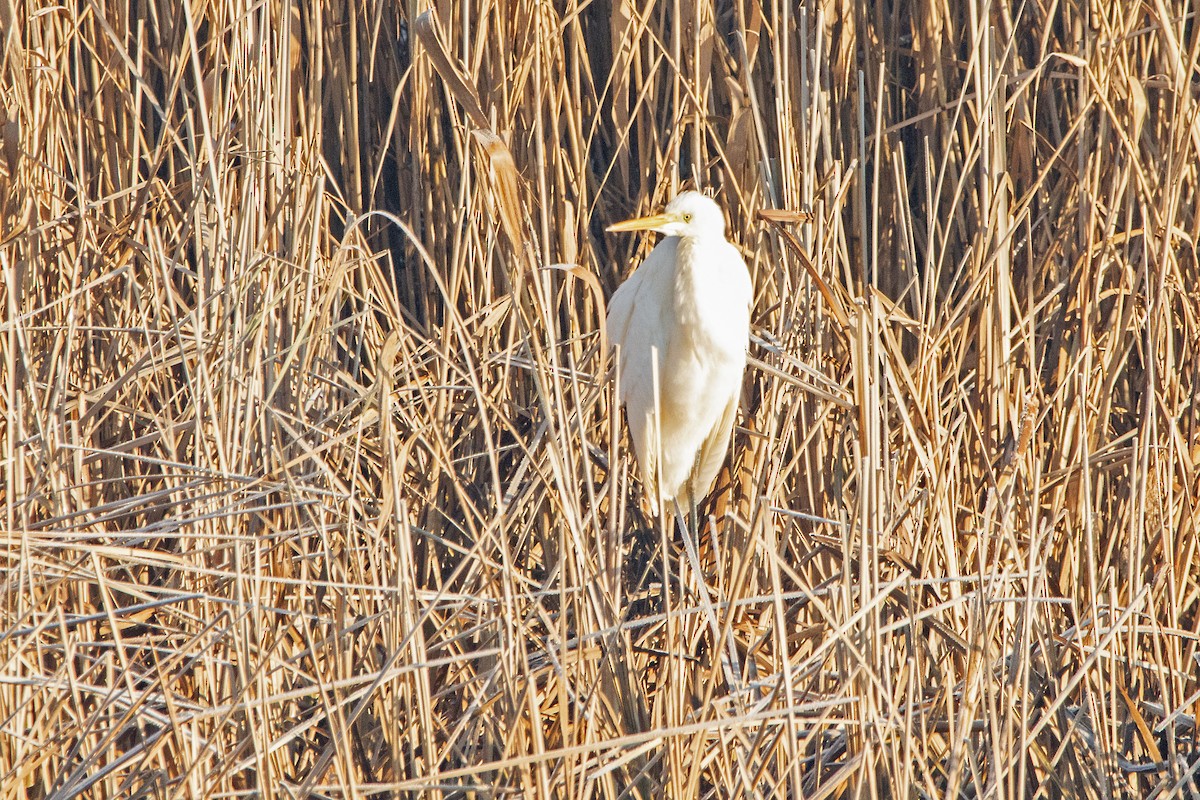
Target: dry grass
<point>313,481</point>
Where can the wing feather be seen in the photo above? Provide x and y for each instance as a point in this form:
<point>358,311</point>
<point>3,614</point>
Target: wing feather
<point>637,323</point>
<point>712,452</point>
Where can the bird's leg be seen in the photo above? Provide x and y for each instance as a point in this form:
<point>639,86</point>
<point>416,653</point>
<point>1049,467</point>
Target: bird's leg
<point>726,648</point>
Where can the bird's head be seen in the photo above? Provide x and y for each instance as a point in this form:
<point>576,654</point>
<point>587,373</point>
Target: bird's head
<point>688,214</point>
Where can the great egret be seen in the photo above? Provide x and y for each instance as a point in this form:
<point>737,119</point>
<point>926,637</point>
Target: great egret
<point>685,314</point>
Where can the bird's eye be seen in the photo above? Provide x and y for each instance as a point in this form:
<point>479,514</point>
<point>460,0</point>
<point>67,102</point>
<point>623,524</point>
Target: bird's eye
<point>687,217</point>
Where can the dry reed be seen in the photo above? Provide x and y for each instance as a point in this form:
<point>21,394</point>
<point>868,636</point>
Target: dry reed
<point>314,484</point>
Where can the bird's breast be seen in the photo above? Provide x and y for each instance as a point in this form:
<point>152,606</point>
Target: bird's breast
<point>712,300</point>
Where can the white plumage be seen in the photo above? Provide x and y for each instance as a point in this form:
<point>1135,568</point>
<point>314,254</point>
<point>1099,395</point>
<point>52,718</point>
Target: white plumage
<point>689,305</point>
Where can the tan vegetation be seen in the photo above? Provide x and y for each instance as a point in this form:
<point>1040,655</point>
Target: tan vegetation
<point>313,483</point>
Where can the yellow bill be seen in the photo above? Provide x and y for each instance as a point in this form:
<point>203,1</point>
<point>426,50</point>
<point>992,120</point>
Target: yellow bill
<point>640,223</point>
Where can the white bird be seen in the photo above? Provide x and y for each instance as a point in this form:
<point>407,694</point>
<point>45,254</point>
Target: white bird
<point>687,307</point>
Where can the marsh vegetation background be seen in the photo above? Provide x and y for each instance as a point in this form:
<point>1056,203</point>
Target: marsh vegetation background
<point>313,482</point>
